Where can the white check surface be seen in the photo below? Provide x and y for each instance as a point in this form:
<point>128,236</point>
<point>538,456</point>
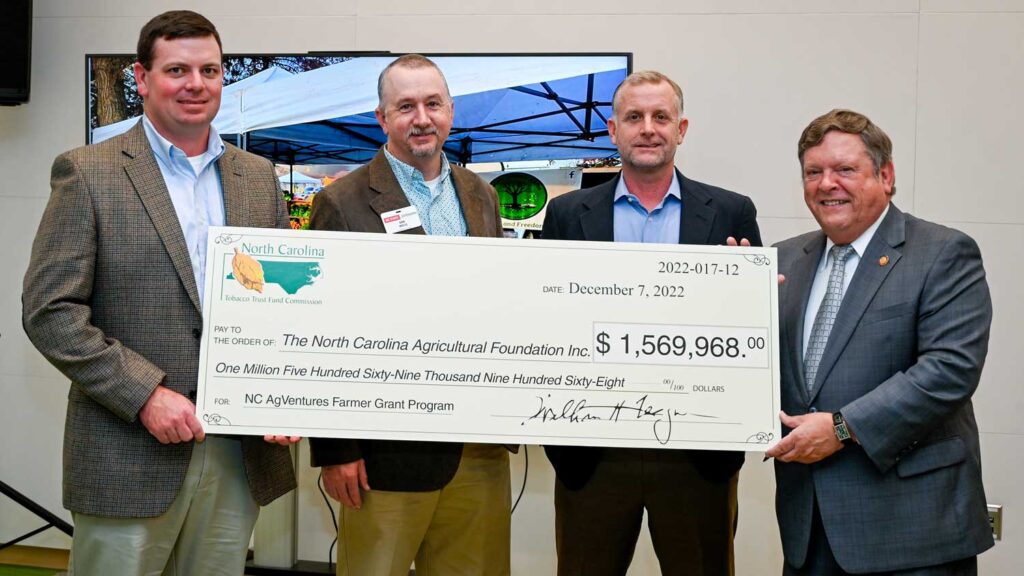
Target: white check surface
<point>490,340</point>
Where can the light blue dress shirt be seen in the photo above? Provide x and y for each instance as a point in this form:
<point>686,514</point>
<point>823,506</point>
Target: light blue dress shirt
<point>633,223</point>
<point>437,205</point>
<point>820,284</point>
<point>194,186</point>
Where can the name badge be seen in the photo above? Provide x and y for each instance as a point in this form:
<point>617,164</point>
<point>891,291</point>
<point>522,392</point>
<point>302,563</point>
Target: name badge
<point>396,221</point>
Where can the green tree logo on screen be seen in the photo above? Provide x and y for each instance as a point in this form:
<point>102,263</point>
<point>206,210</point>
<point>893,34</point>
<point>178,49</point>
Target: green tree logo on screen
<point>520,195</point>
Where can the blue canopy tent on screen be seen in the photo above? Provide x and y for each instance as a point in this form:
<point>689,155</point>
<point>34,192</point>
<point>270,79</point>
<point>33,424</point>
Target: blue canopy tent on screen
<point>507,108</point>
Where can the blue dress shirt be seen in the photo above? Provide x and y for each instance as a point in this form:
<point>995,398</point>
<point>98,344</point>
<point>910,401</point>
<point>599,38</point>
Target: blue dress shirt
<point>438,205</point>
<point>633,223</point>
<point>194,186</point>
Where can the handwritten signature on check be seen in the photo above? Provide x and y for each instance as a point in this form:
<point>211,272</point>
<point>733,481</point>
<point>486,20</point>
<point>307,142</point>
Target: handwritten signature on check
<point>577,410</point>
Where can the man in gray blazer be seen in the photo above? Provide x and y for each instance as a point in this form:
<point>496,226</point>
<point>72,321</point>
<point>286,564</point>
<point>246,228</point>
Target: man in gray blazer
<point>445,505</point>
<point>884,327</point>
<point>112,298</point>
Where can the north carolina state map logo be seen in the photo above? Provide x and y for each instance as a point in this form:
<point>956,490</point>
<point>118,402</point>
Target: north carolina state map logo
<point>254,274</point>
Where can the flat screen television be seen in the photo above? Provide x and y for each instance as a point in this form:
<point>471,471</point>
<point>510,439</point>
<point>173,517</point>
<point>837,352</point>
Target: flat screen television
<point>15,51</point>
<point>541,114</point>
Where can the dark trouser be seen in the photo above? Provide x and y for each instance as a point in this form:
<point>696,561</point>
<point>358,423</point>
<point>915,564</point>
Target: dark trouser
<point>691,520</point>
<point>821,562</point>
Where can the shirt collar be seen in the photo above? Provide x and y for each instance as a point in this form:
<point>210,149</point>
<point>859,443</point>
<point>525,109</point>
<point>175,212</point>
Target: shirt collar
<point>413,173</point>
<point>622,191</point>
<point>165,151</point>
<point>860,245</point>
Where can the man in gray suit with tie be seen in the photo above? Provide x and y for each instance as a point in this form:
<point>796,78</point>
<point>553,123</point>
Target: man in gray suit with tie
<point>884,326</point>
<point>113,299</point>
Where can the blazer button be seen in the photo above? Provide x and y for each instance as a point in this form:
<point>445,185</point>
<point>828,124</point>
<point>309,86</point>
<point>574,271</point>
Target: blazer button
<point>197,333</point>
<point>812,410</point>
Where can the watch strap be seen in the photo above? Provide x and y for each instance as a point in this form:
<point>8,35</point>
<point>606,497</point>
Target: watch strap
<point>841,429</point>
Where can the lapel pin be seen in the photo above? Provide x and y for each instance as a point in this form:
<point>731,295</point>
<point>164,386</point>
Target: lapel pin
<point>883,261</point>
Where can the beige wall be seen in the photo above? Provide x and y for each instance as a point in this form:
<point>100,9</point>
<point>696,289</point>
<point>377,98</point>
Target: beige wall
<point>943,77</point>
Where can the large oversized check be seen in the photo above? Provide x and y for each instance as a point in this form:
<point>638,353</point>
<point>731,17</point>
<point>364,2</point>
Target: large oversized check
<point>489,340</point>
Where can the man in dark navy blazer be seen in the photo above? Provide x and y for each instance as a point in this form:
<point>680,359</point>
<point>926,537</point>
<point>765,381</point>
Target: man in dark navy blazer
<point>601,493</point>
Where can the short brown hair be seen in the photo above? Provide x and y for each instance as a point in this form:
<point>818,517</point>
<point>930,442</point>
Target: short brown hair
<point>647,77</point>
<point>169,26</point>
<point>876,142</point>
<point>408,61</point>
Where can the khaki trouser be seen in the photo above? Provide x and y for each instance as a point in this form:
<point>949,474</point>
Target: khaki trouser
<point>462,529</point>
<point>205,531</point>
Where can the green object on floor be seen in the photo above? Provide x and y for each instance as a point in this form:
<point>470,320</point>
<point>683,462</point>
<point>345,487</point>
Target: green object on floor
<point>8,570</point>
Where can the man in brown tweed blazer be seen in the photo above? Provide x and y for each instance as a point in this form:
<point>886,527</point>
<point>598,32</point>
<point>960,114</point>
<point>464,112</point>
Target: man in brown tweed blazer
<point>112,298</point>
<point>443,504</point>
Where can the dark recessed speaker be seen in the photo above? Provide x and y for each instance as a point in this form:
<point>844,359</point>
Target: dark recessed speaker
<point>15,51</point>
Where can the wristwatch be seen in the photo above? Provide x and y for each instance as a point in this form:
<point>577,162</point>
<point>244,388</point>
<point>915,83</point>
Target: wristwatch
<point>842,431</point>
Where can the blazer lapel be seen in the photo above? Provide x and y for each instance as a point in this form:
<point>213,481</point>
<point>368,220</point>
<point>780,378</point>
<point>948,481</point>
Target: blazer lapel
<point>472,205</point>
<point>232,178</point>
<point>597,218</point>
<point>797,289</point>
<point>698,215</point>
<point>145,176</point>
<point>866,281</point>
<point>390,195</point>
